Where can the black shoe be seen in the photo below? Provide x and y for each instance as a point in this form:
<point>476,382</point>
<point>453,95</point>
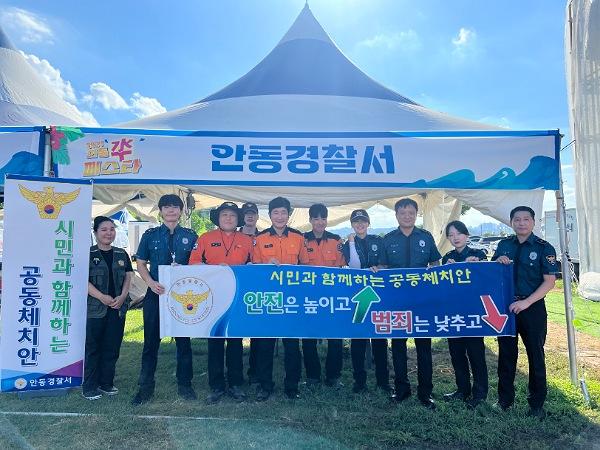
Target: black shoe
<point>292,394</point>
<point>475,402</point>
<point>92,394</point>
<point>142,397</point>
<point>262,395</point>
<point>538,413</point>
<point>501,406</point>
<point>215,396</point>
<point>456,395</point>
<point>359,388</point>
<point>237,393</point>
<point>384,387</point>
<point>334,383</point>
<point>186,393</point>
<point>400,397</point>
<point>427,403</point>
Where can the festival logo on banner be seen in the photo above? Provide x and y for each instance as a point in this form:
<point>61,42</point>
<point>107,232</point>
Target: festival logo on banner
<point>106,158</point>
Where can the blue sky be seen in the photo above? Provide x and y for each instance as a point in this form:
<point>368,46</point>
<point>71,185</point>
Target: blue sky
<point>500,62</point>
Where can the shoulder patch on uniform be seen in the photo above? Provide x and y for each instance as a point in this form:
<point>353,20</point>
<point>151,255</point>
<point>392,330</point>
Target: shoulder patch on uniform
<point>337,237</point>
<point>152,230</point>
<point>541,241</point>
<point>390,233</point>
<point>551,259</point>
<point>340,246</point>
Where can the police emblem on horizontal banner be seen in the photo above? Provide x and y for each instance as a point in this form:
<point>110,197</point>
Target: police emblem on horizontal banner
<point>551,259</point>
<point>533,256</point>
<point>422,243</point>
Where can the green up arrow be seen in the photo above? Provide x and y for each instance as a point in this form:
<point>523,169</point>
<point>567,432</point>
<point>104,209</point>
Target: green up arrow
<point>363,301</point>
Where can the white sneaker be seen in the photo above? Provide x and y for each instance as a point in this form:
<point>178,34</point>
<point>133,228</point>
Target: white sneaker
<point>94,394</point>
<point>109,390</point>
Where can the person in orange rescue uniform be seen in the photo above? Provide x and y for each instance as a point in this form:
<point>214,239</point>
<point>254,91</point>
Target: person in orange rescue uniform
<point>322,249</point>
<point>278,244</point>
<point>225,245</point>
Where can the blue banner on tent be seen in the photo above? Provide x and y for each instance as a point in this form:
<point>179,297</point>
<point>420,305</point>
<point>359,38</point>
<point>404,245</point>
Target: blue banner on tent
<point>463,299</point>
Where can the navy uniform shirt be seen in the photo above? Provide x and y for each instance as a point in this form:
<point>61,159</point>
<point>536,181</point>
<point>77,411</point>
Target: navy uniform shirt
<point>369,250</point>
<point>532,259</point>
<point>158,247</point>
<point>462,256</point>
<point>415,250</point>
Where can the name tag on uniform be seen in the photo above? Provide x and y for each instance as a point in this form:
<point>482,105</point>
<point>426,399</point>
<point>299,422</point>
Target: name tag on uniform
<point>215,244</point>
<point>268,245</point>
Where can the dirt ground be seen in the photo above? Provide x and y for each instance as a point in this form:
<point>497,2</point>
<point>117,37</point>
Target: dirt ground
<point>588,347</point>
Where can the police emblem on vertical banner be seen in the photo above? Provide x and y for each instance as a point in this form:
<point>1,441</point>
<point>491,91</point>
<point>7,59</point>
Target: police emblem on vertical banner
<point>533,256</point>
<point>422,243</point>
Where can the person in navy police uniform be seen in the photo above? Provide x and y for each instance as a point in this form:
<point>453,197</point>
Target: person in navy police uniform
<point>167,244</point>
<point>406,247</point>
<point>534,274</point>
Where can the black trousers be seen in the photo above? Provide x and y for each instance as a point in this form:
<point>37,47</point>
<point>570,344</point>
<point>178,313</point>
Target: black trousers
<point>152,343</point>
<point>233,356</point>
<point>252,359</point>
<point>333,361</point>
<point>358,348</point>
<point>467,351</point>
<point>264,363</point>
<point>102,346</point>
<point>532,326</point>
<point>424,367</point>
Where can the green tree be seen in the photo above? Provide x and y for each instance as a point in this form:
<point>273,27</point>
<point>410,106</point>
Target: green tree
<point>200,222</point>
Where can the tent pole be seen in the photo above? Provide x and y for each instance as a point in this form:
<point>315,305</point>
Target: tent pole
<point>566,275</point>
<point>47,153</point>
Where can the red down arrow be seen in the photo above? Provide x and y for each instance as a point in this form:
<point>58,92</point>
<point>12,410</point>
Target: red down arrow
<point>493,317</point>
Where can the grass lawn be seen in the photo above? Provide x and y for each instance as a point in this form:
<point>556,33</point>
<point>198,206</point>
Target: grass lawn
<point>587,312</point>
<point>323,418</point>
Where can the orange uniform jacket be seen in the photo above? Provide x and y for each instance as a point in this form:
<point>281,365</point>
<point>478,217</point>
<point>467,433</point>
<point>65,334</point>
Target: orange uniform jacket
<point>325,252</point>
<point>216,247</point>
<point>287,248</point>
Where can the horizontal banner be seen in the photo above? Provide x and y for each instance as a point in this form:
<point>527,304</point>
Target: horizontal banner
<point>463,299</point>
<point>479,160</point>
<point>45,283</point>
<point>21,153</point>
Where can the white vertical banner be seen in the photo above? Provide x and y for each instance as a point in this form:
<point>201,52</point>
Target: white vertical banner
<point>45,282</point>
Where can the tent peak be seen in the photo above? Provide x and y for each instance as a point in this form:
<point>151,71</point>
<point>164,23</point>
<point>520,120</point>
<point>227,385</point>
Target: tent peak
<point>306,26</point>
<point>5,41</point>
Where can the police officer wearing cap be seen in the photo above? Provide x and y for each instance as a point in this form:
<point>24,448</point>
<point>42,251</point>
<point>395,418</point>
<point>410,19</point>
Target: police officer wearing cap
<point>362,251</point>
<point>250,216</point>
<point>227,246</point>
<point>534,272</point>
<point>167,244</point>
<point>407,247</point>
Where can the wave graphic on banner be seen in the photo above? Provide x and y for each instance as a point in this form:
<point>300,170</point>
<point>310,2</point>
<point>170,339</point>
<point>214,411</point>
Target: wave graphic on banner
<point>23,163</point>
<point>541,172</point>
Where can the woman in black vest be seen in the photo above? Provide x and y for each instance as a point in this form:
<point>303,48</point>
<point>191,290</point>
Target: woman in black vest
<point>465,351</point>
<point>108,289</point>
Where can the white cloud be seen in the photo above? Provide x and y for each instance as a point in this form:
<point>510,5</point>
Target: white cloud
<point>60,86</point>
<point>29,26</point>
<point>103,94</point>
<point>407,41</point>
<point>464,38</point>
<point>145,106</point>
<point>52,75</point>
<point>464,43</point>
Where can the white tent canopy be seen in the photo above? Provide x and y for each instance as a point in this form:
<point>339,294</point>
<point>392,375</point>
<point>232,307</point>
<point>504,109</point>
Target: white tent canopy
<point>285,93</point>
<point>582,49</point>
<point>26,98</point>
